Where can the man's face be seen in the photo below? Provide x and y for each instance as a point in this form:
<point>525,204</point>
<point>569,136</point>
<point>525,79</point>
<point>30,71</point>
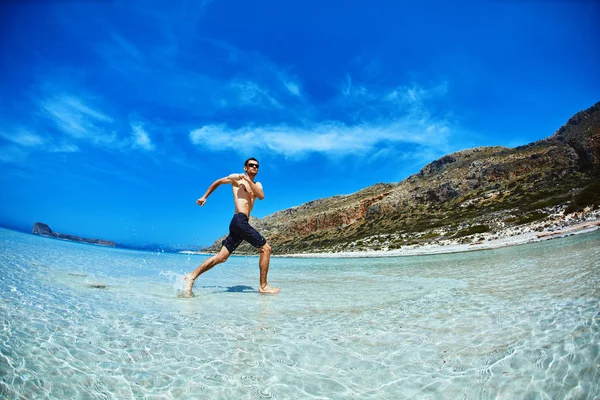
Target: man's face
<point>251,167</point>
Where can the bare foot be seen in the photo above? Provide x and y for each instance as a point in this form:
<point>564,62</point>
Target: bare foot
<point>269,290</point>
<point>187,288</point>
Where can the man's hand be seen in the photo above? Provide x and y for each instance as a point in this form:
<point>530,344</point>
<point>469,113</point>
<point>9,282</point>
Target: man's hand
<point>253,187</point>
<point>201,201</point>
<point>245,177</point>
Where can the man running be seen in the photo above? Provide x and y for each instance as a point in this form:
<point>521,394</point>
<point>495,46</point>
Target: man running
<point>245,191</point>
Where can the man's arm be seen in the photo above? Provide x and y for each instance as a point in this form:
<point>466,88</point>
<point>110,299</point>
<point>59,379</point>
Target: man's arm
<point>256,187</point>
<point>202,200</point>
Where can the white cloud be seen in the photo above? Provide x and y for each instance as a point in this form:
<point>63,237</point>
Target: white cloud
<point>331,138</point>
<point>141,139</point>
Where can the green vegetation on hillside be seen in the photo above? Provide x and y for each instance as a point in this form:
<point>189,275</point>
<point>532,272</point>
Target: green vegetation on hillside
<point>472,231</point>
<point>589,196</point>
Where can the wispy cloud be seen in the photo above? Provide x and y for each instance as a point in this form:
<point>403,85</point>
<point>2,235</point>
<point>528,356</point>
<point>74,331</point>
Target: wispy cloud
<point>245,100</point>
<point>347,87</point>
<point>23,138</point>
<point>141,139</point>
<point>252,94</point>
<point>386,118</point>
<point>182,78</point>
<point>23,143</point>
<point>64,147</point>
<point>12,154</point>
<point>78,120</point>
<point>125,47</point>
<point>413,98</point>
<point>292,87</point>
<point>123,55</point>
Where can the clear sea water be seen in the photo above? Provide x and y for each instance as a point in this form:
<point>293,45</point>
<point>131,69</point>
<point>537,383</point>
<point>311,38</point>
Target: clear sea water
<point>85,322</point>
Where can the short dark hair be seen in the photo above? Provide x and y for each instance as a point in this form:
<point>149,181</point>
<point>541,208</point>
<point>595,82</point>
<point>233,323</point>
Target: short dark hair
<point>248,160</point>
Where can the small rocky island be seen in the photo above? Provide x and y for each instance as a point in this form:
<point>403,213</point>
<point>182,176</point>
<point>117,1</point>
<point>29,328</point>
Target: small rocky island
<point>44,230</point>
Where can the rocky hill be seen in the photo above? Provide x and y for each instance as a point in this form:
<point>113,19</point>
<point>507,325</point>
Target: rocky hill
<point>484,189</point>
<point>44,230</point>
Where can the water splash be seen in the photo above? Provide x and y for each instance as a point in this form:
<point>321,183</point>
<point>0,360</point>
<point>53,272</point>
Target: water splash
<point>176,280</point>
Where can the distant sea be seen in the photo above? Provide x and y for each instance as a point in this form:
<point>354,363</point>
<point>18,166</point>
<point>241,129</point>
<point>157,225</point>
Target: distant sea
<point>79,321</point>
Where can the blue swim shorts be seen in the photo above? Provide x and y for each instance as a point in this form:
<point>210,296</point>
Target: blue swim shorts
<point>240,230</point>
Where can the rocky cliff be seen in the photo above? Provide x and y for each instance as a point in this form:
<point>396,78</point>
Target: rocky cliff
<point>459,195</point>
<point>44,230</point>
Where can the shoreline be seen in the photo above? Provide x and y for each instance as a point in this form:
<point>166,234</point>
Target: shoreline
<point>506,239</point>
<point>560,226</point>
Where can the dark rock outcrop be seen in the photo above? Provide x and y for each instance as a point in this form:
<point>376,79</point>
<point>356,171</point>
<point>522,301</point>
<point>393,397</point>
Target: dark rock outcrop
<point>42,230</point>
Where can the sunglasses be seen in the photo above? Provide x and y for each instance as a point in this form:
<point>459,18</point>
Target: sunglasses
<point>251,165</point>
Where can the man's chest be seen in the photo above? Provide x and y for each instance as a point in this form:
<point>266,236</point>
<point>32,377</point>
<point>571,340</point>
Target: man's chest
<point>243,191</point>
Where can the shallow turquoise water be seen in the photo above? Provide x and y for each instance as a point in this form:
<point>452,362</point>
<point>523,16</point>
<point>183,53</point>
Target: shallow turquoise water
<point>79,321</point>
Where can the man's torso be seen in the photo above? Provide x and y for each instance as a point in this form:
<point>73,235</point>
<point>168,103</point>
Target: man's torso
<point>243,197</point>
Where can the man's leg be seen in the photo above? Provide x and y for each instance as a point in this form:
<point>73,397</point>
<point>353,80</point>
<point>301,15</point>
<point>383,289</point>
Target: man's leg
<point>210,262</point>
<point>263,263</point>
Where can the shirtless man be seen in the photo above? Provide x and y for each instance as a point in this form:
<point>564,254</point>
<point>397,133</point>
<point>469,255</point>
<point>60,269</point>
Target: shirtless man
<point>245,191</point>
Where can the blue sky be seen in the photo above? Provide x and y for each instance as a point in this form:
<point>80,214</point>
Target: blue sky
<point>115,116</point>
